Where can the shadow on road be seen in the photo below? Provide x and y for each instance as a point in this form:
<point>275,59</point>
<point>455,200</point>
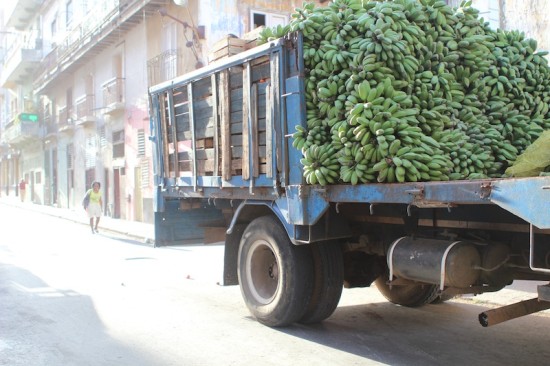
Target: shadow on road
<point>43,325</point>
<point>435,334</point>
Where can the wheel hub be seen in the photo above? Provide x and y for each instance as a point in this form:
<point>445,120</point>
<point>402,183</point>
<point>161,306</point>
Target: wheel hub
<point>262,272</point>
<point>273,271</point>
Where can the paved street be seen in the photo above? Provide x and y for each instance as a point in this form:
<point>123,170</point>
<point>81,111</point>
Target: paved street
<point>68,297</point>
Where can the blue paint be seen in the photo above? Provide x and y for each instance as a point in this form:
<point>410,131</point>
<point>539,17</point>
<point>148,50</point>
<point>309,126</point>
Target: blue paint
<point>528,198</point>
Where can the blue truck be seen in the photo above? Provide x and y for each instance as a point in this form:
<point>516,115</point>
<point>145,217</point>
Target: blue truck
<point>226,170</point>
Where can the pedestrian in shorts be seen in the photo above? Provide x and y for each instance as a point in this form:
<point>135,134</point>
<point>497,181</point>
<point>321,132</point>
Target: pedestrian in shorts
<point>95,205</point>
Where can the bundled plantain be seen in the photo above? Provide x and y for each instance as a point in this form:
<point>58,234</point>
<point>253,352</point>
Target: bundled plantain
<point>414,90</point>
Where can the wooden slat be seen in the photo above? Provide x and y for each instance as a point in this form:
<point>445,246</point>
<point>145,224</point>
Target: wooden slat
<point>201,154</point>
<point>236,77</point>
<point>237,152</point>
<point>225,52</point>
<point>237,128</point>
<point>172,119</point>
<point>225,114</point>
<point>194,140</point>
<point>202,89</point>
<point>229,41</point>
<point>216,124</point>
<point>205,143</point>
<point>246,122</point>
<point>236,117</point>
<point>164,128</point>
<point>237,164</point>
<point>269,133</point>
<point>260,72</point>
<point>274,106</point>
<point>254,129</point>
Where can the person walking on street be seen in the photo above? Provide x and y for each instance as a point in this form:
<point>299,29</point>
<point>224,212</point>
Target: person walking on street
<point>94,206</point>
<point>22,189</point>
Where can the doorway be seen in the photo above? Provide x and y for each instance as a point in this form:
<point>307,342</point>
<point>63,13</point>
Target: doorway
<point>138,199</point>
<point>116,192</point>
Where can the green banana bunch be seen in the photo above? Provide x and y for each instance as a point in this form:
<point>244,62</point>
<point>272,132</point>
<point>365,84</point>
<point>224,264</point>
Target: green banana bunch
<point>414,90</point>
<point>320,165</point>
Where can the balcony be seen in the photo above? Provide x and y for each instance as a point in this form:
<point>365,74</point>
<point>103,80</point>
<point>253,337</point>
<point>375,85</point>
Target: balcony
<point>163,67</point>
<point>65,123</point>
<point>50,130</point>
<point>85,110</point>
<point>21,133</point>
<point>113,95</point>
<point>22,58</point>
<point>103,27</point>
<point>19,13</point>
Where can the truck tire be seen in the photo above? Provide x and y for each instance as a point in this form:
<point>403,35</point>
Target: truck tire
<point>407,295</point>
<point>275,276</point>
<point>328,264</point>
<point>441,298</point>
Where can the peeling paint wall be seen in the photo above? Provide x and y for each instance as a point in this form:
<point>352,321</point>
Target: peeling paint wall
<point>529,16</point>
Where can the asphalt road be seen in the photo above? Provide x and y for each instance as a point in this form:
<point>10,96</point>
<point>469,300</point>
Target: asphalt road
<point>68,297</point>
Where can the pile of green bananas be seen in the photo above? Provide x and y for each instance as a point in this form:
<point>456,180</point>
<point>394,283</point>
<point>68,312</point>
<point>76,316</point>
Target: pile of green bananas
<point>414,90</point>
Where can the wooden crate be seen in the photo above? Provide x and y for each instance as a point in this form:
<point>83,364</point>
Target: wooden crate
<point>252,37</point>
<point>226,47</point>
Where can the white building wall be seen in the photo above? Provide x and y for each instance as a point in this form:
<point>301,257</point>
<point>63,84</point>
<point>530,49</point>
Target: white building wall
<point>530,16</point>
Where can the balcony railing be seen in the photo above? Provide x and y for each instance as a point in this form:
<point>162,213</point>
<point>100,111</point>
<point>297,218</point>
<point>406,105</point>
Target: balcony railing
<point>23,52</point>
<point>21,132</point>
<point>65,122</point>
<point>113,94</point>
<point>102,13</point>
<point>163,67</point>
<point>85,109</point>
<point>84,106</point>
<point>50,127</point>
<point>64,114</point>
<point>16,12</point>
<point>97,29</point>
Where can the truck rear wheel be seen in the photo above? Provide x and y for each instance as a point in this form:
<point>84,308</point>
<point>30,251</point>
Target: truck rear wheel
<point>407,295</point>
<point>275,276</point>
<point>328,265</point>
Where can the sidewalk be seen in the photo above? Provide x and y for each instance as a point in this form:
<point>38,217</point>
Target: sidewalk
<point>140,231</point>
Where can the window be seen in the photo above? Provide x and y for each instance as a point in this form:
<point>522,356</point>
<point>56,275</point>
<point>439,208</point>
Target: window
<point>70,166</point>
<point>141,143</point>
<point>144,173</point>
<point>89,176</point>
<point>70,156</point>
<point>259,18</point>
<point>69,102</point>
<point>38,177</point>
<point>68,13</point>
<point>53,27</point>
<point>118,144</point>
<point>102,137</point>
<point>91,151</point>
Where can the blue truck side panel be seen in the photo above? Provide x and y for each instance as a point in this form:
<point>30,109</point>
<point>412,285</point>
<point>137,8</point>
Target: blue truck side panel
<point>528,198</point>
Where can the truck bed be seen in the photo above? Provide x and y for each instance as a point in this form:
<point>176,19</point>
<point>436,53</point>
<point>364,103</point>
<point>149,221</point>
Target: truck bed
<point>222,132</point>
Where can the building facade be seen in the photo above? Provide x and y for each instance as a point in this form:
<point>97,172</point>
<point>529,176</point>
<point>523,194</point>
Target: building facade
<point>20,143</point>
<point>80,70</point>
